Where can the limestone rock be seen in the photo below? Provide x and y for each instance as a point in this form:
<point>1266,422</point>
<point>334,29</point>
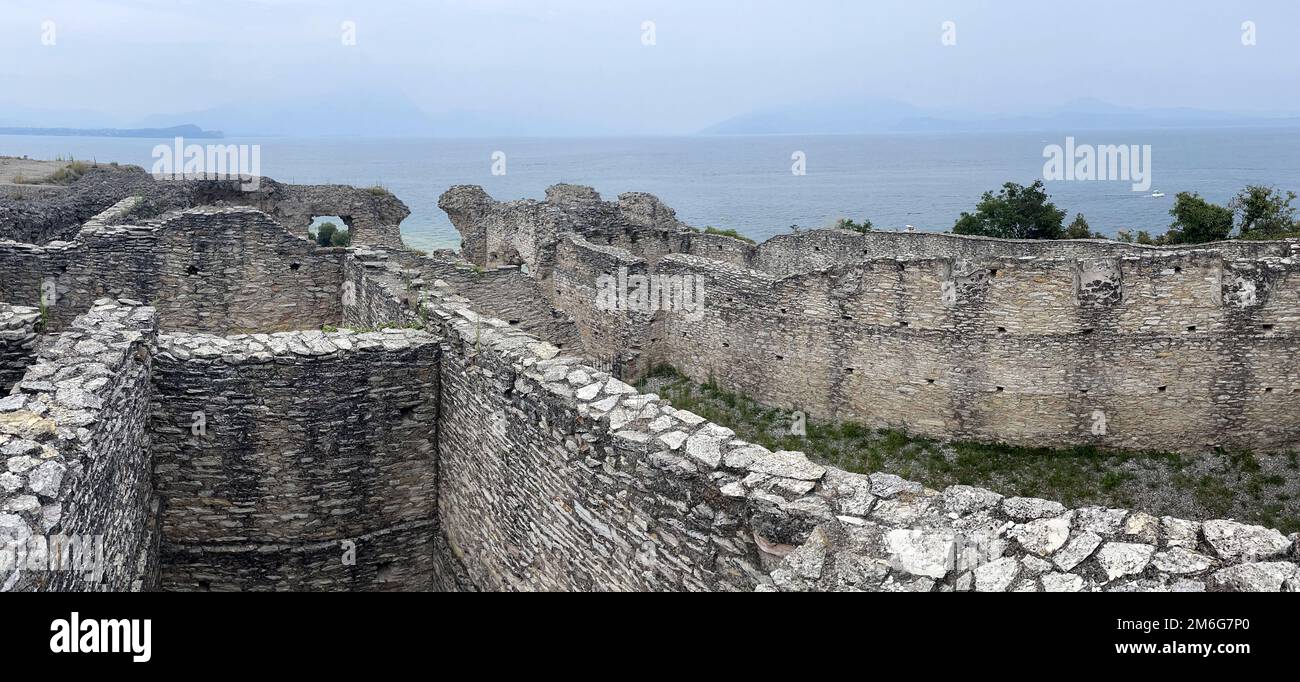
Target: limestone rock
<point>1119,559</point>
<point>1240,542</point>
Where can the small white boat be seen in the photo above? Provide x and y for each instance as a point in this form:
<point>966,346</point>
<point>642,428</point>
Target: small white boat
<point>1157,194</point>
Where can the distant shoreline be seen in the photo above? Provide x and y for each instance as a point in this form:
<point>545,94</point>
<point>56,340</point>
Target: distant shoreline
<point>175,131</point>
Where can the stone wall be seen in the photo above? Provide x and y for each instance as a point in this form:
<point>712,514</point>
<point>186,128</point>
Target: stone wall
<point>271,451</point>
<point>225,270</point>
<point>77,461</point>
<point>556,476</point>
<point>1026,342</point>
<point>48,213</point>
<point>17,342</point>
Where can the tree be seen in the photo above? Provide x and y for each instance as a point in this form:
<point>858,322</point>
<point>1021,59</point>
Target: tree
<point>846,224</point>
<point>1079,229</point>
<point>1016,212</point>
<point>1197,221</point>
<point>329,234</point>
<point>1263,212</point>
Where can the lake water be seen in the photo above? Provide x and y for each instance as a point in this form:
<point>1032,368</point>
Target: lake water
<point>746,183</point>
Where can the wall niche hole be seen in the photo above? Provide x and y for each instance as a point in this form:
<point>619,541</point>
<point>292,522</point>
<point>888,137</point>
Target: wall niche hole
<point>1001,389</point>
<point>1268,389</point>
<point>192,270</point>
<point>1191,328</point>
<point>930,381</point>
<point>295,266</point>
<point>1178,269</point>
<point>1162,389</point>
<point>1266,327</point>
<point>1002,330</point>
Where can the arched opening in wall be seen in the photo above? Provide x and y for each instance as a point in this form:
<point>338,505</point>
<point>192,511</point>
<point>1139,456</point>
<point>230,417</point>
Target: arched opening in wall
<point>330,230</point>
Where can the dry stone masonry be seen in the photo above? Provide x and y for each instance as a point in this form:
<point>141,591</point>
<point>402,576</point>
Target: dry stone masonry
<point>288,417</point>
<point>1081,342</point>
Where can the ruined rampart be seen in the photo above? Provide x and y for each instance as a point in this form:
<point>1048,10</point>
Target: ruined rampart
<point>1033,343</point>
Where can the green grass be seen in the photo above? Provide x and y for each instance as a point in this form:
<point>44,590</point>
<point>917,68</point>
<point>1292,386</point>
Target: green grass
<point>65,175</point>
<point>728,233</point>
<point>1216,485</point>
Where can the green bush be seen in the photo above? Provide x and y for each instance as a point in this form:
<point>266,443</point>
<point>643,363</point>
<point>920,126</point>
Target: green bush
<point>847,224</point>
<point>1015,212</point>
<point>1197,221</point>
<point>329,234</point>
<point>1264,212</point>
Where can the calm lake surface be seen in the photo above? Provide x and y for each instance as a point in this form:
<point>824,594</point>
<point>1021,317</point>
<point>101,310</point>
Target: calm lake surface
<point>746,183</point>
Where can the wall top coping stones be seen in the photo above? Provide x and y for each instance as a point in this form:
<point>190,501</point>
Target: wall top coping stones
<point>258,348</point>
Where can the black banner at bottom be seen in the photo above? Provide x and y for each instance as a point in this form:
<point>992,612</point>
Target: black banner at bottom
<point>147,633</point>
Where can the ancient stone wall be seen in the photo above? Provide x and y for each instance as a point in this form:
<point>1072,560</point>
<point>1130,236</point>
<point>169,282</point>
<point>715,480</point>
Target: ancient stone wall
<point>75,442</point>
<point>225,270</point>
<point>1026,342</point>
<point>41,214</point>
<point>556,476</point>
<point>17,342</point>
<point>1155,353</point>
<point>271,451</point>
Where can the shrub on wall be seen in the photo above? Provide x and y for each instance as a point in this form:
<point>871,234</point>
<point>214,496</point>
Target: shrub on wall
<point>1015,212</point>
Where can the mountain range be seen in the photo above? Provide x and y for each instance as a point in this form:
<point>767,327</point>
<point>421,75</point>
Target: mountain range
<point>388,113</point>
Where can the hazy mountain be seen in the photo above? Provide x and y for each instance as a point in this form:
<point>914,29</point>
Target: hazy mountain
<point>850,115</point>
<point>869,115</point>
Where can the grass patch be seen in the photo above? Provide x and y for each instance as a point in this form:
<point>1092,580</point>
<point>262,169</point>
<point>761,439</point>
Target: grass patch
<point>1251,488</point>
<point>719,231</point>
<point>65,175</point>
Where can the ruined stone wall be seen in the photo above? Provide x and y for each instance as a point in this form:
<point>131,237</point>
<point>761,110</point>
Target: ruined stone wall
<point>271,450</point>
<point>77,462</point>
<point>223,270</point>
<point>41,214</point>
<point>1026,342</point>
<point>1166,353</point>
<point>17,342</point>
<point>555,476</point>
<point>546,485</point>
<point>617,338</point>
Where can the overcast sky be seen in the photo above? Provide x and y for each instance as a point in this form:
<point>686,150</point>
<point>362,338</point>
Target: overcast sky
<point>584,60</point>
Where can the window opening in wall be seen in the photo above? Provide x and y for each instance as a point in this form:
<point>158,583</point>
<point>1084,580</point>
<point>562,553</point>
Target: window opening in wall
<point>1001,389</point>
<point>295,266</point>
<point>330,231</point>
<point>192,270</point>
<point>1192,328</point>
<point>1267,327</point>
<point>1162,389</point>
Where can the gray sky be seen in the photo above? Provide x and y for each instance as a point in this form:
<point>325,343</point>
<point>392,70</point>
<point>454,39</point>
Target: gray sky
<point>583,60</point>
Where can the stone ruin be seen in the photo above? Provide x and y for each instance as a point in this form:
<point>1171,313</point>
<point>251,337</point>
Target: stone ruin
<point>204,400</point>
